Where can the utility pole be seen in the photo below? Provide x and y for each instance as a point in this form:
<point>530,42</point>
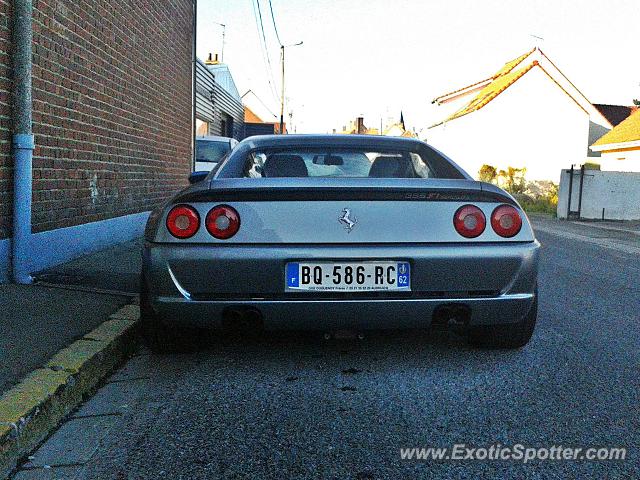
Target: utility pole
<point>282,47</point>
<point>282,92</point>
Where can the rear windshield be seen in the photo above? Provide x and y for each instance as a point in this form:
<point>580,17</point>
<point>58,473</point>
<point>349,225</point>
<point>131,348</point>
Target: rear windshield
<point>211,151</point>
<point>335,162</point>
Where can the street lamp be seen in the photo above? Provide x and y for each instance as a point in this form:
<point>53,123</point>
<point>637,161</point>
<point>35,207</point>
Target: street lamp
<point>282,47</point>
<point>224,30</point>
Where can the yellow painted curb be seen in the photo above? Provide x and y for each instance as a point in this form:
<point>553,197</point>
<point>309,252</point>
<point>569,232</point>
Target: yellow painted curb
<point>31,410</point>
<point>21,401</point>
<point>128,312</point>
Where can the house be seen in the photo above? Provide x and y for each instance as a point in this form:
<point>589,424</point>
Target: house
<point>620,147</point>
<point>219,109</point>
<point>393,129</point>
<point>526,115</point>
<point>358,127</point>
<point>615,114</point>
<point>255,125</point>
<point>398,129</point>
<point>103,133</point>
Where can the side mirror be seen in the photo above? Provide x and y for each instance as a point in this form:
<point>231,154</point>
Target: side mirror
<point>196,177</point>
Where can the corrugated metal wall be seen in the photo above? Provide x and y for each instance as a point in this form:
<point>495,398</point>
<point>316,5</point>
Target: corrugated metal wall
<point>251,129</point>
<point>204,88</point>
<point>214,103</point>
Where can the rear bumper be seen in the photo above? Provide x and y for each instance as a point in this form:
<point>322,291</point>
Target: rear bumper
<point>342,314</point>
<point>195,284</point>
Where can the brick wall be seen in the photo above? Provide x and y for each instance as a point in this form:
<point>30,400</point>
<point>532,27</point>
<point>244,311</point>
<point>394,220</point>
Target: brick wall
<point>5,127</point>
<point>112,107</point>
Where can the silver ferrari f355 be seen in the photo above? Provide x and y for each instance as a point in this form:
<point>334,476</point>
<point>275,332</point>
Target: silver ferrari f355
<point>339,232</point>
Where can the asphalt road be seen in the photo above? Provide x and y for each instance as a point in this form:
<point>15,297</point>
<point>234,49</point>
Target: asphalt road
<point>291,406</point>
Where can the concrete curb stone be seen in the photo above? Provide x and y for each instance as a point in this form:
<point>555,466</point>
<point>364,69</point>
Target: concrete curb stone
<point>31,410</point>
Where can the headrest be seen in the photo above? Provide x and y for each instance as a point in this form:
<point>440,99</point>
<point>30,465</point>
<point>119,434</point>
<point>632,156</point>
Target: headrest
<point>392,167</point>
<point>285,165</point>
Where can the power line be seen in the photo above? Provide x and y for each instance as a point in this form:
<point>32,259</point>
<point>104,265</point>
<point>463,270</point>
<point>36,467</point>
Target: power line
<point>273,18</point>
<point>265,51</point>
<point>260,100</point>
<point>266,48</point>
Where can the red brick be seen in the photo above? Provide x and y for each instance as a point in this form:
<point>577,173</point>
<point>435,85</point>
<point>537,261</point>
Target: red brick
<point>112,102</point>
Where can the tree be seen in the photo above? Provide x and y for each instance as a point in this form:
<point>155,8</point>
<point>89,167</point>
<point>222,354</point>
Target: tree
<point>487,173</point>
<point>636,102</point>
<point>512,180</point>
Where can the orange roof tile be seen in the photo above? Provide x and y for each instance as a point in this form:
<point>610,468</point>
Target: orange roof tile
<point>491,91</point>
<point>626,131</point>
<point>511,64</point>
<point>506,68</point>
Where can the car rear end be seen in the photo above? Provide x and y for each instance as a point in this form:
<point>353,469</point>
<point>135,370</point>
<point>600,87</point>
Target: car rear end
<point>358,253</point>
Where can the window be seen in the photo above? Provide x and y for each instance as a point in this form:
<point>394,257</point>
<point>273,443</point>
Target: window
<point>226,125</point>
<point>335,163</point>
<point>202,128</point>
<point>211,151</point>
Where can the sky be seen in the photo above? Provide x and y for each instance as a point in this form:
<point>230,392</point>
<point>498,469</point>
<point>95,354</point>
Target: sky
<point>377,58</point>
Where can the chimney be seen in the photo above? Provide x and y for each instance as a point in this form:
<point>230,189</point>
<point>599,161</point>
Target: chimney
<point>212,60</point>
<point>360,125</point>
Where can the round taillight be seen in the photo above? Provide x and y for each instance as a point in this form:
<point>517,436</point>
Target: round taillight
<point>506,221</point>
<point>183,221</point>
<point>223,221</point>
<point>469,221</point>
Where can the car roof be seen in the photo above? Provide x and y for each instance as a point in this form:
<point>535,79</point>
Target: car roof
<point>370,141</point>
<point>215,138</point>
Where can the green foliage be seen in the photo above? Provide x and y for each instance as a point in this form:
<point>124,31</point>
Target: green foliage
<point>487,173</point>
<point>591,166</point>
<point>536,196</point>
<point>636,102</point>
<point>538,205</point>
<point>539,197</point>
<point>512,180</point>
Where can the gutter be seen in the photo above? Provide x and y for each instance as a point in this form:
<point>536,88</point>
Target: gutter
<point>22,140</point>
<point>615,146</point>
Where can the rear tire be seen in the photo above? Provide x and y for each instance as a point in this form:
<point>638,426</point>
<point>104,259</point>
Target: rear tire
<point>158,336</point>
<point>509,336</point>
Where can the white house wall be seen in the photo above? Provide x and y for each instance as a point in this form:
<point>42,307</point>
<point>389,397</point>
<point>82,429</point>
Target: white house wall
<point>628,161</point>
<point>605,195</point>
<point>532,124</point>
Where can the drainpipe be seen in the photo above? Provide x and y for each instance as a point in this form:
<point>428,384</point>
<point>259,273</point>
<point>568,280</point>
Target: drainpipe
<point>22,140</point>
<point>194,68</point>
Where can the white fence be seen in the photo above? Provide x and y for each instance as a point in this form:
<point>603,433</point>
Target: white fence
<point>604,195</point>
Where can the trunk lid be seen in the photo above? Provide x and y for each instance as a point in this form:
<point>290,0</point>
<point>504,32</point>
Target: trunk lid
<point>348,210</point>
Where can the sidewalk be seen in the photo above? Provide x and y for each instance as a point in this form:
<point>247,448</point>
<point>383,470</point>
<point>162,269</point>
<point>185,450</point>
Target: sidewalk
<point>37,321</point>
<point>632,226</point>
<point>59,338</point>
<point>622,236</point>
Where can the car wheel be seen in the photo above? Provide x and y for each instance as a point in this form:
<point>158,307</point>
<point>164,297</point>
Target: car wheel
<point>158,336</point>
<point>515,335</point>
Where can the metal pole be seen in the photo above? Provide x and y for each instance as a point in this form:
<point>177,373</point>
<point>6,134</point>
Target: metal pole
<point>282,92</point>
<point>224,31</point>
<point>570,192</point>
<point>580,193</point>
<point>22,140</point>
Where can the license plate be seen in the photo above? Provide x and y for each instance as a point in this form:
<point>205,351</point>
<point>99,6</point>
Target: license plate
<point>348,276</point>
